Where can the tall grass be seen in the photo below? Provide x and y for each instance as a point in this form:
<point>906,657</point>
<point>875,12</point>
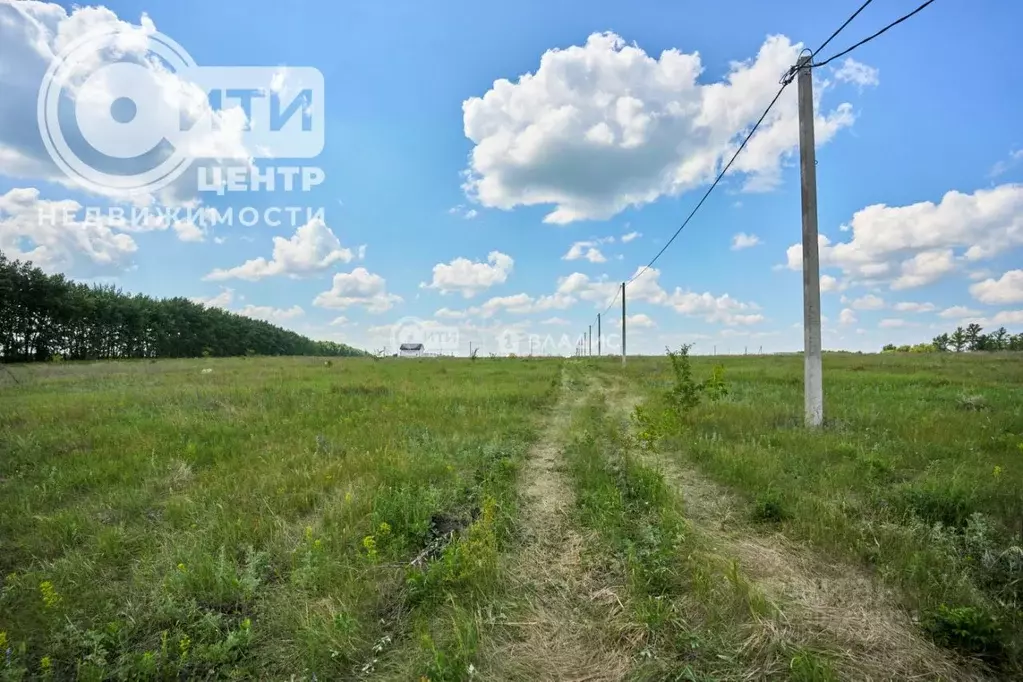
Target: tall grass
<point>253,521</point>
<point>917,474</point>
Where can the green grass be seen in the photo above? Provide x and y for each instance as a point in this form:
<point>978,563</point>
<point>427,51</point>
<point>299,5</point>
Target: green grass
<point>259,520</point>
<point>256,520</point>
<point>916,474</point>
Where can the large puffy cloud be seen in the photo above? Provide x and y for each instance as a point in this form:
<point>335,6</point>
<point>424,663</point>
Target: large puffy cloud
<point>915,245</point>
<point>33,33</point>
<point>53,236</point>
<point>470,278</point>
<point>312,249</point>
<point>358,287</point>
<point>604,126</point>
<point>1006,289</point>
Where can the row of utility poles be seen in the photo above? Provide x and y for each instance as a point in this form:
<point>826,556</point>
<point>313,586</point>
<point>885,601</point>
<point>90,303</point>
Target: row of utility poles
<point>813,390</point>
<point>600,335</point>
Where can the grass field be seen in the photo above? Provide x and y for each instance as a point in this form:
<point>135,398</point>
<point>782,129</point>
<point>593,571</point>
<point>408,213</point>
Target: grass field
<point>511,519</point>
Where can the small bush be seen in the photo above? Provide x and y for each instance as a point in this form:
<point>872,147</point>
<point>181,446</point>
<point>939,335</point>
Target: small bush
<point>770,507</point>
<point>684,394</point>
<point>942,503</point>
<point>971,403</point>
<point>715,387</point>
<point>967,628</point>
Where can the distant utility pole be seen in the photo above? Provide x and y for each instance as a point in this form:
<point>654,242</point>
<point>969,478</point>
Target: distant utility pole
<point>589,341</point>
<point>813,388</point>
<point>623,324</point>
<point>598,335</point>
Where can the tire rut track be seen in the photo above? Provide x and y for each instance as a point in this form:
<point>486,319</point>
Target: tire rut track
<point>817,599</point>
<point>567,624</point>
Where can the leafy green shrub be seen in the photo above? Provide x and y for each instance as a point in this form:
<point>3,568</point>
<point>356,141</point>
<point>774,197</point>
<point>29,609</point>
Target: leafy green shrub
<point>943,502</point>
<point>684,394</point>
<point>770,506</point>
<point>715,387</point>
<point>967,628</point>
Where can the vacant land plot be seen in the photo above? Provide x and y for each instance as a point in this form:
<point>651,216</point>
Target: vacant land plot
<point>916,482</point>
<point>256,520</point>
<point>511,519</point>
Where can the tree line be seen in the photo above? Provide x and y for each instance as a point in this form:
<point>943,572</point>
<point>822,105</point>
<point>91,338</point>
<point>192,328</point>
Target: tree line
<point>48,317</point>
<point>970,338</point>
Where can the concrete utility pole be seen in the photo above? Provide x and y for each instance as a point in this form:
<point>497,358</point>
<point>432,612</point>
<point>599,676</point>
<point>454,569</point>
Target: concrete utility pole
<point>813,388</point>
<point>598,335</point>
<point>623,324</point>
<point>589,341</point>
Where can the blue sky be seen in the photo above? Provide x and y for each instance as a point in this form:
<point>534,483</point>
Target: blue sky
<point>468,196</point>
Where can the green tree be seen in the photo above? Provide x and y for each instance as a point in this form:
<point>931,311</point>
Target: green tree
<point>973,331</point>
<point>959,339</point>
<point>42,316</point>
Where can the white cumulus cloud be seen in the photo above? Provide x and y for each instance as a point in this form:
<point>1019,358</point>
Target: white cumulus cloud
<point>647,288</point>
<point>471,277</point>
<point>1006,289</point>
<point>914,307</point>
<point>958,312</point>
<point>868,302</point>
<point>312,249</point>
<point>604,126</point>
<point>271,314</point>
<point>744,241</point>
<point>852,71</point>
<point>588,250</point>
<point>911,246</point>
<point>33,33</point>
<point>222,300</point>
<point>360,287</point>
<point>639,321</point>
<point>53,236</point>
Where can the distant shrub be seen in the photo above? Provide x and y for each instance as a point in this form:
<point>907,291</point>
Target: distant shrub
<point>770,507</point>
<point>684,394</point>
<point>966,628</point>
<point>938,502</point>
<point>971,403</point>
<point>715,387</point>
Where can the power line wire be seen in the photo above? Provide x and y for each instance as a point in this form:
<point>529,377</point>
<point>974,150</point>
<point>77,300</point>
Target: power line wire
<point>785,80</point>
<point>871,37</point>
<point>840,28</point>
<point>712,186</point>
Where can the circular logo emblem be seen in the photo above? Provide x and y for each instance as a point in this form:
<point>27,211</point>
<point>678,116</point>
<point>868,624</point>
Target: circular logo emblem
<point>127,110</point>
